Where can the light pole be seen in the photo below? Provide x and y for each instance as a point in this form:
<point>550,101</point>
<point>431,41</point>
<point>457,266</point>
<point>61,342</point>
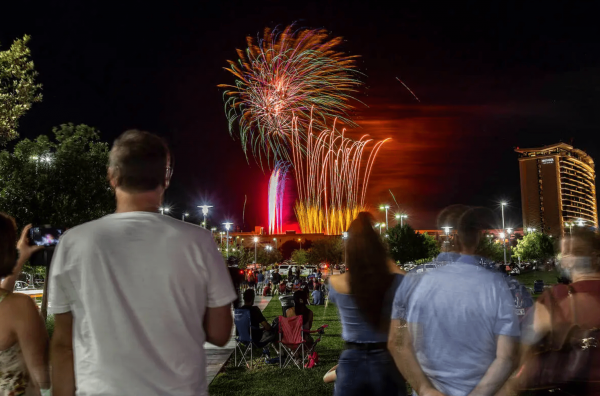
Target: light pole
<point>380,225</point>
<point>255,242</point>
<point>205,212</point>
<point>221,239</point>
<point>300,240</point>
<point>386,207</point>
<point>184,215</point>
<point>447,230</point>
<point>344,237</point>
<point>227,225</point>
<point>163,210</point>
<point>570,225</point>
<point>502,204</point>
<point>402,217</point>
<point>275,239</point>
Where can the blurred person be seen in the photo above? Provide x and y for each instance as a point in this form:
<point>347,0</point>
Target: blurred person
<point>23,337</point>
<point>251,279</point>
<point>454,330</point>
<point>260,281</point>
<point>563,306</point>
<point>257,320</point>
<point>290,274</point>
<point>300,309</point>
<point>276,277</point>
<point>317,296</point>
<point>267,290</point>
<point>136,294</point>
<point>282,288</point>
<point>364,297</point>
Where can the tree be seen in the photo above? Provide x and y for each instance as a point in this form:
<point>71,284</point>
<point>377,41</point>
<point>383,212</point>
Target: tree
<point>62,183</point>
<point>326,250</point>
<point>18,90</point>
<point>406,244</point>
<point>491,249</point>
<point>289,246</point>
<point>300,257</point>
<point>268,257</point>
<point>431,244</point>
<point>535,246</point>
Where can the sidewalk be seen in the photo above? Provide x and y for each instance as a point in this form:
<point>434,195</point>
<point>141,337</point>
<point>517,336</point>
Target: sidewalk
<point>216,356</point>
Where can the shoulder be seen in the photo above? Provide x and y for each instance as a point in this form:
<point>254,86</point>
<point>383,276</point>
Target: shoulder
<point>340,283</point>
<point>19,304</point>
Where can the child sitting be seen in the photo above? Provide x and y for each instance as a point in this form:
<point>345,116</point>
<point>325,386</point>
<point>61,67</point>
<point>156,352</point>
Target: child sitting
<point>267,290</point>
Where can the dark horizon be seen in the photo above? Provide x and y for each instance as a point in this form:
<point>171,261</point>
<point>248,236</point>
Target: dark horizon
<point>488,78</point>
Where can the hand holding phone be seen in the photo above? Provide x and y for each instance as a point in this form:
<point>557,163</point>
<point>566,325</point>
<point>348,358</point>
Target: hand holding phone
<point>45,235</point>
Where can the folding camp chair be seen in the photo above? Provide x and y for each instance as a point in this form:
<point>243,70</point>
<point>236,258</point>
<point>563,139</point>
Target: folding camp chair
<point>291,341</point>
<point>243,340</point>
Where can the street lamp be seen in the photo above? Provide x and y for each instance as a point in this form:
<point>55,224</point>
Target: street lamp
<point>300,240</point>
<point>227,225</point>
<point>447,231</point>
<point>502,204</point>
<point>275,239</point>
<point>163,210</point>
<point>255,242</point>
<point>386,207</point>
<point>402,217</point>
<point>184,215</point>
<point>344,237</point>
<point>205,212</point>
<point>570,225</point>
<point>380,225</point>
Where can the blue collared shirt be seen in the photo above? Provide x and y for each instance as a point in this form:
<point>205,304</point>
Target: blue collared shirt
<point>454,314</point>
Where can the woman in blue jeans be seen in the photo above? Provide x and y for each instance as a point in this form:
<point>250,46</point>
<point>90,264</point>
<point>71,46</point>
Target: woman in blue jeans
<point>364,297</point>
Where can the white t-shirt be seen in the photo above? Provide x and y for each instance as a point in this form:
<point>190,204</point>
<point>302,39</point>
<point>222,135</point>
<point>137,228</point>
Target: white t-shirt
<point>138,285</point>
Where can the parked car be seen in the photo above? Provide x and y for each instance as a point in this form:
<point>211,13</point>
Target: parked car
<point>20,285</point>
<point>307,269</point>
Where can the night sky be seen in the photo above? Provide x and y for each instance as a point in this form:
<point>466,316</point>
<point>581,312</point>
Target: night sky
<point>490,76</point>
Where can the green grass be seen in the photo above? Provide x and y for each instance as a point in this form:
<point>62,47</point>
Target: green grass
<point>527,279</point>
<point>270,380</point>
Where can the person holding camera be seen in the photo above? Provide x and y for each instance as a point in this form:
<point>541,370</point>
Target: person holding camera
<point>136,294</point>
<point>23,337</point>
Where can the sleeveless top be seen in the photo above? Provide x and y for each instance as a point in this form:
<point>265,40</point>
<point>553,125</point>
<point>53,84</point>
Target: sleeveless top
<point>14,378</point>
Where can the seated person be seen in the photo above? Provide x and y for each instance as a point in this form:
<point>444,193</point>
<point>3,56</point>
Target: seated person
<point>300,309</point>
<point>256,318</point>
<point>282,288</point>
<point>297,285</point>
<point>267,290</point>
<point>317,296</point>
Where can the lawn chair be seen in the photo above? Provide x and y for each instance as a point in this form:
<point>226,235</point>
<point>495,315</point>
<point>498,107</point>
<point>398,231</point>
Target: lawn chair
<point>538,286</point>
<point>291,341</point>
<point>243,340</point>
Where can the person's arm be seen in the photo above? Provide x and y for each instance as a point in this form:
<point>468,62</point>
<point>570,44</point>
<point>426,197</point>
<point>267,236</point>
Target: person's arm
<point>25,252</point>
<point>217,325</point>
<point>33,339</point>
<point>61,356</point>
<point>400,347</point>
<point>500,369</point>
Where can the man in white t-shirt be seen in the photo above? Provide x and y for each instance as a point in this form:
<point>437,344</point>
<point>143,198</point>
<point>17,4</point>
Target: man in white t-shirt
<point>136,294</point>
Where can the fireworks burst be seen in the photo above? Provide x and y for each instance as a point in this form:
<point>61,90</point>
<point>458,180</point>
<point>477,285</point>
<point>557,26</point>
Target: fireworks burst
<point>276,195</point>
<point>332,179</point>
<point>284,76</point>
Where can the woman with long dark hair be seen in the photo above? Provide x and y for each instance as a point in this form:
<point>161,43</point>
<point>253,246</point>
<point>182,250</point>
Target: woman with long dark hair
<point>23,338</point>
<point>364,297</point>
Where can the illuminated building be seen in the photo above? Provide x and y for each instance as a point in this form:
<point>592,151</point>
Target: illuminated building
<point>558,188</point>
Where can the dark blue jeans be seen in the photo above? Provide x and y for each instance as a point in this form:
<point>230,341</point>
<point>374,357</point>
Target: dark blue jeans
<point>371,373</point>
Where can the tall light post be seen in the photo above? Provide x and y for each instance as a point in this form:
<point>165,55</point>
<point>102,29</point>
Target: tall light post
<point>386,207</point>
<point>184,215</point>
<point>227,226</point>
<point>344,237</point>
<point>275,239</point>
<point>502,204</point>
<point>397,217</point>
<point>380,225</point>
<point>300,240</point>
<point>570,225</point>
<point>255,242</point>
<point>447,230</point>
<point>221,239</point>
<point>205,212</point>
<point>402,217</point>
<point>163,210</point>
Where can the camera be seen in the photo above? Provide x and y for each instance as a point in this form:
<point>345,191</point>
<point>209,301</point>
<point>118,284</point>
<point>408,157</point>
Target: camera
<point>47,236</point>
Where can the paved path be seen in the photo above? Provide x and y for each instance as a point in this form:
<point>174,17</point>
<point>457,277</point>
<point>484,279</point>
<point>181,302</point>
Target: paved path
<point>216,356</point>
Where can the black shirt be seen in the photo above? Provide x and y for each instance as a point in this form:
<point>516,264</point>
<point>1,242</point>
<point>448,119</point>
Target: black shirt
<point>256,318</point>
<point>276,277</point>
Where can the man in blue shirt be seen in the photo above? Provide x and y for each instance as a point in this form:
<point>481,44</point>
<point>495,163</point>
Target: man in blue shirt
<point>454,329</point>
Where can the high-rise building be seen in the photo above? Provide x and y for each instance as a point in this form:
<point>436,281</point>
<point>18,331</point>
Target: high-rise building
<point>558,188</point>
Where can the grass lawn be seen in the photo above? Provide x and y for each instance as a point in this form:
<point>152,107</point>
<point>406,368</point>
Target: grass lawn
<point>269,380</point>
<point>527,279</point>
